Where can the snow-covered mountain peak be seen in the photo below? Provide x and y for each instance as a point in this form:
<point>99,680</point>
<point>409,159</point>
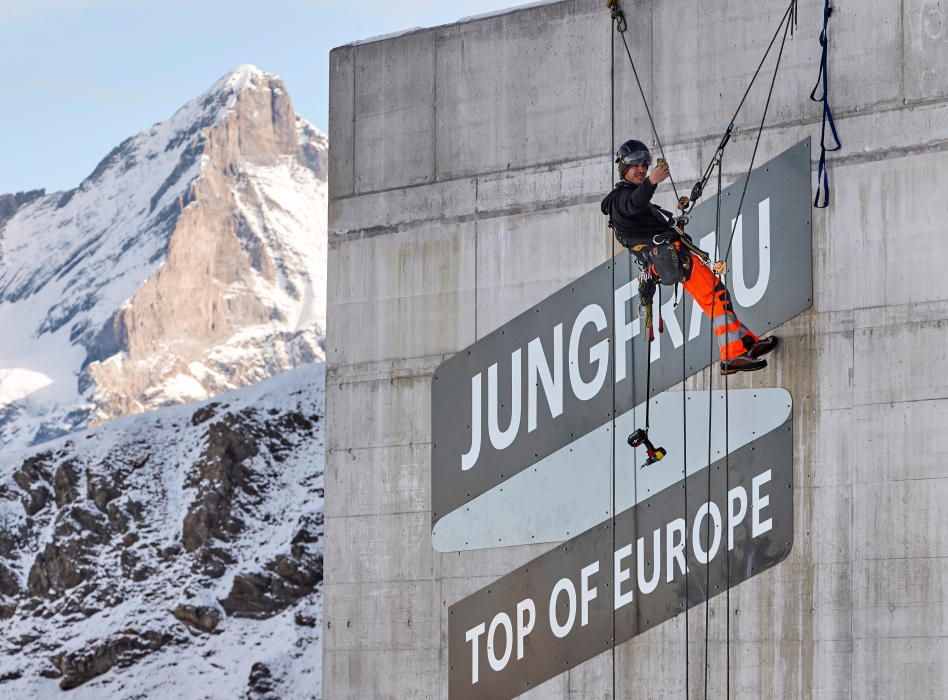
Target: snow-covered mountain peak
<point>240,77</point>
<point>189,262</point>
<point>223,94</point>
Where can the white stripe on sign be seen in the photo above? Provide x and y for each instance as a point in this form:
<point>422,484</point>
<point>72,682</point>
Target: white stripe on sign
<point>569,491</point>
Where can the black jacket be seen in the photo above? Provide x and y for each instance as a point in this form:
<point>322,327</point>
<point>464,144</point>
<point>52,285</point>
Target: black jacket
<point>632,215</point>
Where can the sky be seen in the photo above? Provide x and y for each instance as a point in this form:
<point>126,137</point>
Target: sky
<point>77,77</point>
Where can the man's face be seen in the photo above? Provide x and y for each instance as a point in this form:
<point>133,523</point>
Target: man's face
<point>636,173</point>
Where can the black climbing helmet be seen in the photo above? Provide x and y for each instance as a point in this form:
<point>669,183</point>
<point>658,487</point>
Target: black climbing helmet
<point>630,153</point>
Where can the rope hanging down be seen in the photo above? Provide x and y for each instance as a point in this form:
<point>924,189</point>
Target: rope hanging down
<point>787,22</point>
<point>707,537</point>
<point>618,17</point>
<point>788,18</point>
<point>822,175</point>
<point>685,204</point>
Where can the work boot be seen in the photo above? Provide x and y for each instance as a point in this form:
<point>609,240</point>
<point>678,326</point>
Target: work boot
<point>761,346</point>
<point>742,363</point>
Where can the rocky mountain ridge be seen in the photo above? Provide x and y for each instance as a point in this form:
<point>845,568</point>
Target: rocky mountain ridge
<point>10,203</point>
<point>191,261</point>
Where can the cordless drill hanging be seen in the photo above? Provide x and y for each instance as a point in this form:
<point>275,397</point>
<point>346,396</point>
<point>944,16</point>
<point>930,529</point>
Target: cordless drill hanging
<point>640,437</point>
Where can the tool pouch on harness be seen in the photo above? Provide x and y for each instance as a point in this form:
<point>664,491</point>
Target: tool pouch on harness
<point>672,264</point>
<point>670,261</point>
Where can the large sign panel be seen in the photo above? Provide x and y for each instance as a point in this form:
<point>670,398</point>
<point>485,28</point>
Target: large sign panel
<point>514,414</point>
<point>618,579</point>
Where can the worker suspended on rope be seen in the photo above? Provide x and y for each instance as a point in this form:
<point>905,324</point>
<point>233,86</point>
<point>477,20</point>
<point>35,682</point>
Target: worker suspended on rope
<point>667,256</point>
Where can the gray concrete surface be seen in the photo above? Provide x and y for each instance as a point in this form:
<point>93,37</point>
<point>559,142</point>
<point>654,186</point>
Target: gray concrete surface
<point>466,165</point>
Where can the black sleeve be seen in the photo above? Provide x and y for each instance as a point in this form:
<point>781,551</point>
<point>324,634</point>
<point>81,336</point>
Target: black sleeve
<point>628,203</point>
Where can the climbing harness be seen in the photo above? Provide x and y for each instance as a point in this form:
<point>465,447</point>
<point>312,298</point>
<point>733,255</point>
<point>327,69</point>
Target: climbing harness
<point>822,174</point>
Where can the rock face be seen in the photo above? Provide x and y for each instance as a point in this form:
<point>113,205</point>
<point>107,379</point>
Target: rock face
<point>190,262</point>
<point>120,650</point>
<point>9,203</point>
<point>183,545</point>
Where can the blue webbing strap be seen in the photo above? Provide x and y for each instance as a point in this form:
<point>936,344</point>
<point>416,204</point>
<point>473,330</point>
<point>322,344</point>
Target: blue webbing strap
<point>822,174</point>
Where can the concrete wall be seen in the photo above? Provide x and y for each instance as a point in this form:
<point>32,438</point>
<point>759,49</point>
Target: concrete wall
<point>466,165</point>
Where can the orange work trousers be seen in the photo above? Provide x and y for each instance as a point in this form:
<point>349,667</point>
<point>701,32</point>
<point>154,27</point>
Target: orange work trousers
<point>712,296</point>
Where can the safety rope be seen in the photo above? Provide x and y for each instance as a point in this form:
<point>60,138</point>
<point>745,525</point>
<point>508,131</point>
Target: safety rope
<point>760,131</point>
<point>727,552</point>
<point>612,135</point>
<point>648,362</point>
<point>696,191</point>
<point>787,23</point>
<point>787,27</point>
<point>684,470</point>
<point>789,14</point>
<point>650,337</point>
<point>707,539</point>
<point>727,466</point>
<point>618,17</point>
<point>822,174</point>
